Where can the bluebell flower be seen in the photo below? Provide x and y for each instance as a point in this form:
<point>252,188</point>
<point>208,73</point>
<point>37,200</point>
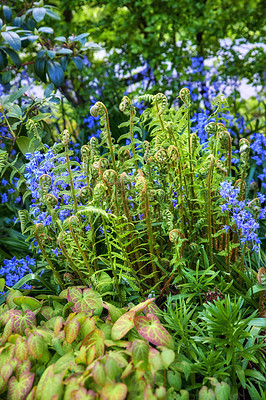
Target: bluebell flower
<point>4,198</point>
<point>13,270</point>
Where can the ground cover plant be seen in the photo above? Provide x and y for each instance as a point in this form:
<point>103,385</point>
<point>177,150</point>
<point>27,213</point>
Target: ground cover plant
<point>115,225</point>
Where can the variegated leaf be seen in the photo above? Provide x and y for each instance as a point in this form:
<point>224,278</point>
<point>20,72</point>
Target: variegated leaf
<point>72,330</point>
<point>22,322</point>
<point>18,389</point>
<point>36,345</point>
<point>95,338</point>
<point>58,325</point>
<point>123,325</point>
<point>21,349</point>
<point>6,371</point>
<point>111,391</point>
<point>85,300</point>
<point>151,329</point>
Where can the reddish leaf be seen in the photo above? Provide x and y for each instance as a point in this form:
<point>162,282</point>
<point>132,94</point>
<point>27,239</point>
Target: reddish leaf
<point>123,325</point>
<point>86,300</point>
<point>141,306</point>
<point>72,330</point>
<point>83,394</point>
<point>36,345</point>
<point>18,389</point>
<point>117,391</point>
<point>58,325</point>
<point>23,367</point>
<point>23,322</point>
<point>151,329</point>
<point>6,371</point>
<point>7,330</point>
<point>21,349</point>
<point>95,338</point>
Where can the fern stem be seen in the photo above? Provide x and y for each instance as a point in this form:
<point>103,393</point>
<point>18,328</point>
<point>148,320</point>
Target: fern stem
<point>55,272</point>
<point>76,240</point>
<point>110,256</point>
<point>208,205</point>
<point>70,179</point>
<point>76,271</point>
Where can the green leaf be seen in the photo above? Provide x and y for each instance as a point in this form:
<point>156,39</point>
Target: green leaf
<point>222,391</point>
<point>7,13</point>
<point>3,60</point>
<point>38,14</point>
<point>114,312</point>
<point>2,284</point>
<point>78,62</point>
<point>206,394</point>
<point>117,391</point>
<point>64,51</point>
<point>27,302</point>
<point>15,112</point>
<point>40,68</point>
<point>50,384</point>
<point>18,389</point>
<point>23,143</point>
<point>48,91</point>
<point>46,29</point>
<point>140,354</point>
<point>13,55</point>
<point>241,375</point>
<point>13,39</point>
<point>52,14</point>
<point>55,72</point>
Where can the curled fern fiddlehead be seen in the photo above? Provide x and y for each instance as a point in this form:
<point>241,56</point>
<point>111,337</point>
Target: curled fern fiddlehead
<point>100,109</point>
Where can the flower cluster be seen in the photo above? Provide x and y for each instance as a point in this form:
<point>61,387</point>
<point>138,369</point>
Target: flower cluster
<point>44,163</point>
<point>13,270</point>
<point>242,217</point>
<point>258,145</point>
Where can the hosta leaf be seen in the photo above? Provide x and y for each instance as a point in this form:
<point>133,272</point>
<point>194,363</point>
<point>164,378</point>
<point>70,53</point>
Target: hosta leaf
<point>36,345</point>
<point>123,325</point>
<point>18,389</point>
<point>86,300</point>
<point>21,349</point>
<point>151,329</point>
<point>140,354</point>
<point>117,391</point>
<point>95,338</point>
<point>22,322</point>
<point>6,371</point>
<point>72,330</point>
